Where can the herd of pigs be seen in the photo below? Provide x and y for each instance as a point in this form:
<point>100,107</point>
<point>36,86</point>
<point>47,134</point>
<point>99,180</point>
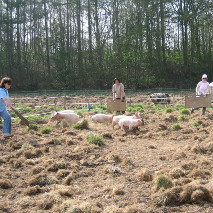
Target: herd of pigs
<point>125,122</point>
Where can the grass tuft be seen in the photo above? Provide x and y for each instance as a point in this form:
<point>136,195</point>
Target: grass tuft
<point>176,127</point>
<point>46,130</point>
<point>184,112</point>
<point>82,125</point>
<point>181,118</point>
<point>32,127</point>
<point>27,146</point>
<point>169,110</point>
<point>163,182</point>
<point>42,180</point>
<point>196,123</point>
<point>94,138</point>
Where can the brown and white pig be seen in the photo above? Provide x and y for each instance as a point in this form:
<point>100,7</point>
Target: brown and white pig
<point>102,118</point>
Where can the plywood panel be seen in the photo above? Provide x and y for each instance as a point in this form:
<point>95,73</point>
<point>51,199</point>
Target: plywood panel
<point>197,101</point>
<point>116,105</point>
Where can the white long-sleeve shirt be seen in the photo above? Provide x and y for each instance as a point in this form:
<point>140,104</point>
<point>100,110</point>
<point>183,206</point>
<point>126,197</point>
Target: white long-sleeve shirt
<point>202,88</point>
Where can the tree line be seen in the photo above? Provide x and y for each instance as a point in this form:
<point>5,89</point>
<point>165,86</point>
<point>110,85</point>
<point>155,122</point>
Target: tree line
<point>74,44</point>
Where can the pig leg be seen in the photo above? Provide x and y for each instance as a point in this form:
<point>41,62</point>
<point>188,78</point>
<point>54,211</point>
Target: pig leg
<point>113,124</point>
<point>130,127</point>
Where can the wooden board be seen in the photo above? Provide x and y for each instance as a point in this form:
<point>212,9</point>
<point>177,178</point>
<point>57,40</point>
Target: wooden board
<point>116,105</point>
<point>23,119</point>
<point>197,101</point>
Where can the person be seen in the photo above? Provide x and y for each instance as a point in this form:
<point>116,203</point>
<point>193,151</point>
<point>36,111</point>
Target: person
<point>118,91</point>
<point>202,88</point>
<point>5,85</point>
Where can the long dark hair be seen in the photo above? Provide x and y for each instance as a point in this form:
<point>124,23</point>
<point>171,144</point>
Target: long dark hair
<point>115,80</point>
<point>4,81</point>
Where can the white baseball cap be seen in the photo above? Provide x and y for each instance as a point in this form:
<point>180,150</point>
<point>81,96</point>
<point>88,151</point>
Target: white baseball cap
<point>204,76</point>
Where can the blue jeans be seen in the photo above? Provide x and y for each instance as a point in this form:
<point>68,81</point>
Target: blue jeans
<point>7,121</point>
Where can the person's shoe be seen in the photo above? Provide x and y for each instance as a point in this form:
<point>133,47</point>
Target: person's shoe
<point>7,135</point>
<point>203,111</point>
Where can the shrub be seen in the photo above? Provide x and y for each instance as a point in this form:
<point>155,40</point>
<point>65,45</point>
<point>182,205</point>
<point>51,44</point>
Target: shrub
<point>184,112</point>
<point>169,110</point>
<point>176,127</point>
<point>82,125</point>
<point>163,181</point>
<point>32,127</point>
<point>196,123</point>
<point>46,130</point>
<point>181,118</point>
<point>93,138</point>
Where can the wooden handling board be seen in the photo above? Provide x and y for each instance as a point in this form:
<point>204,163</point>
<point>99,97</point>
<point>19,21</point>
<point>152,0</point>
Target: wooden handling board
<point>23,119</point>
<point>116,105</point>
<point>197,101</point>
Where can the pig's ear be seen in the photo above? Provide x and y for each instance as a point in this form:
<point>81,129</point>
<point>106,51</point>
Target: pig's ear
<point>136,114</point>
<point>113,116</point>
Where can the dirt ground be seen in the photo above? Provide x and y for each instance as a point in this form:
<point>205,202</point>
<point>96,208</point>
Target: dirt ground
<point>61,172</point>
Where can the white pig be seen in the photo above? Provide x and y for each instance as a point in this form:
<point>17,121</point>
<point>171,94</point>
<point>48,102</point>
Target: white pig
<point>129,123</point>
<point>117,118</point>
<point>66,115</point>
<point>102,118</point>
<point>65,111</point>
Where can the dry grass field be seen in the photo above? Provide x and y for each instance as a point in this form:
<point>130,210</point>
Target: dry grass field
<point>164,166</point>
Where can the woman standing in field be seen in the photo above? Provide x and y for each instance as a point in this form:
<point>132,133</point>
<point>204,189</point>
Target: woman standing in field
<point>118,90</point>
<point>202,88</point>
<point>5,85</point>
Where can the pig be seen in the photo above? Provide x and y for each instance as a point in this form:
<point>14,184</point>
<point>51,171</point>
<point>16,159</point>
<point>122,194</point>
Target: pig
<point>117,118</point>
<point>102,118</point>
<point>66,115</point>
<point>65,111</point>
<point>130,123</point>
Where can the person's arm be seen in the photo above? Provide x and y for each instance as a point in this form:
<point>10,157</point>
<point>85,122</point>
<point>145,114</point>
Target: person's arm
<point>197,88</point>
<point>208,90</point>
<point>4,97</point>
<point>113,93</point>
<point>7,101</point>
<point>122,91</point>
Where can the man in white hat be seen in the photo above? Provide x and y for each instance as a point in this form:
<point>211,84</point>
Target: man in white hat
<point>202,88</point>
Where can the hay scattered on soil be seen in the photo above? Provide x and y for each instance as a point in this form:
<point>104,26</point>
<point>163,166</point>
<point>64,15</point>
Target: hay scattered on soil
<point>145,175</point>
<point>32,190</point>
<point>5,184</point>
